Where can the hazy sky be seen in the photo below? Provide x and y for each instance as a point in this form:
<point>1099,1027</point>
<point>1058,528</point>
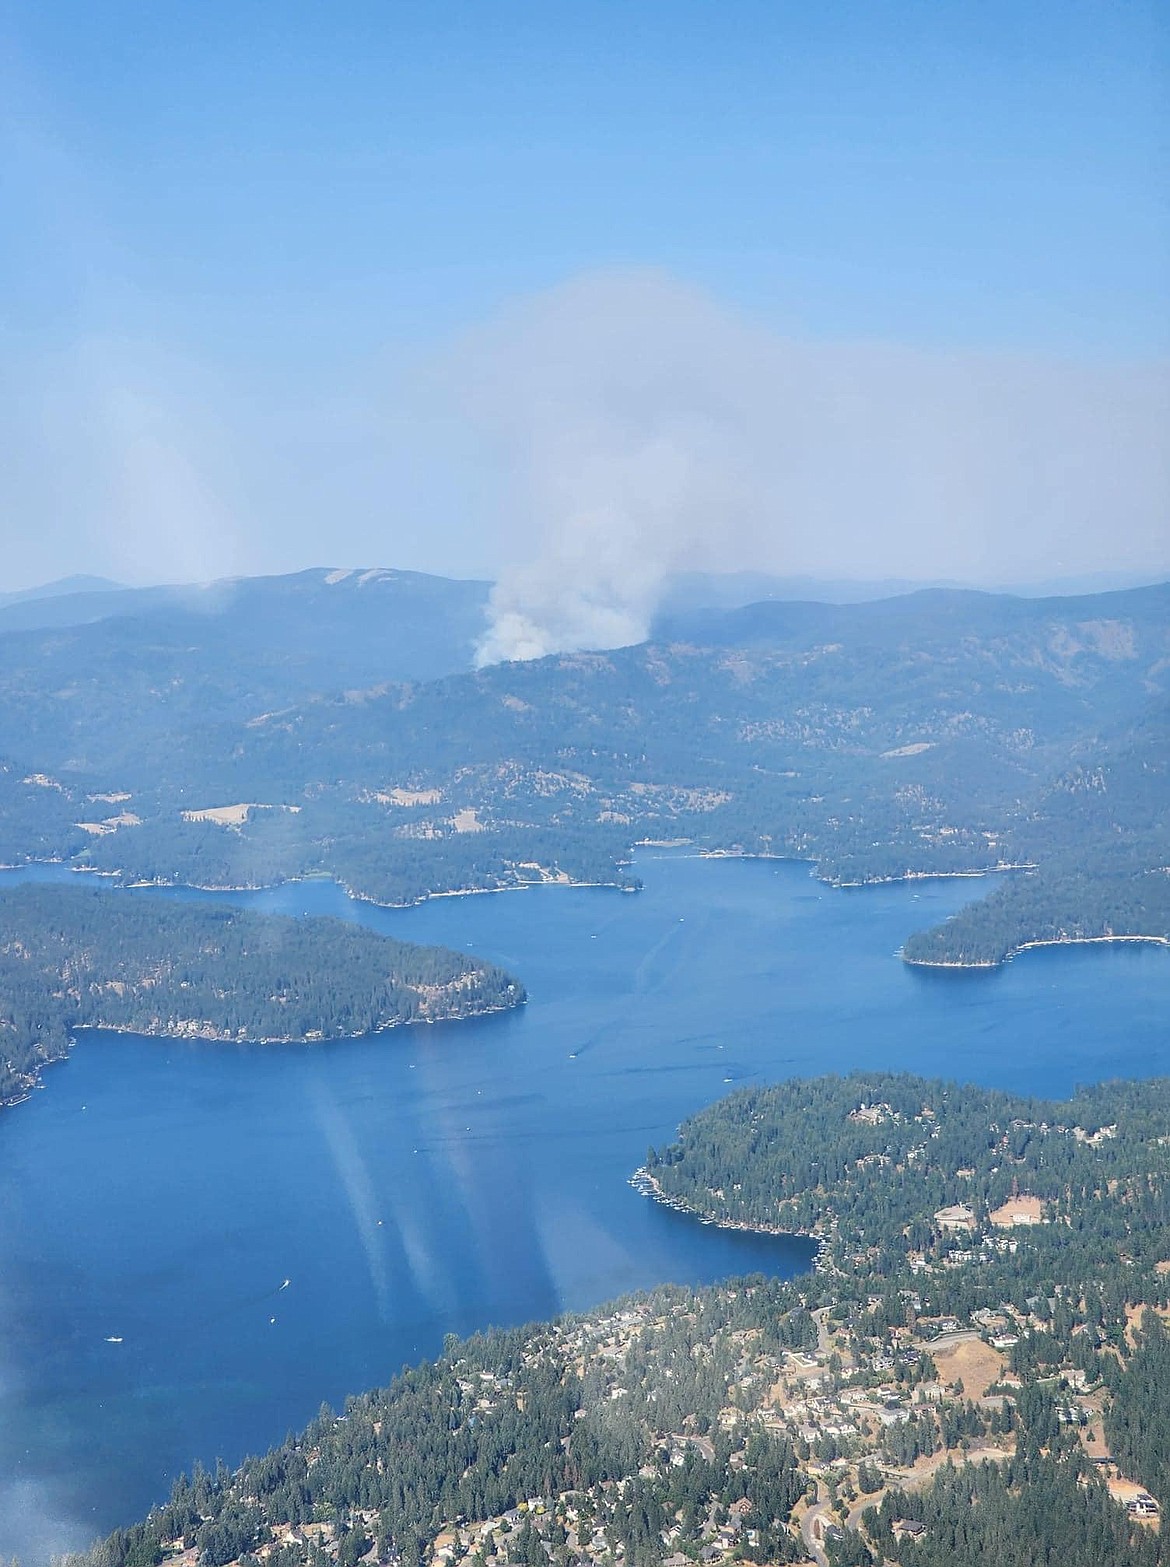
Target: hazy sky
<point>579,293</point>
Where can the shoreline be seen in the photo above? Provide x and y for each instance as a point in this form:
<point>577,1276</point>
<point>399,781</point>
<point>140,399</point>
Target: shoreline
<point>34,1080</point>
<point>884,881</point>
<point>146,883</point>
<point>695,852</point>
<point>1028,946</point>
<point>647,1185</point>
<point>843,886</point>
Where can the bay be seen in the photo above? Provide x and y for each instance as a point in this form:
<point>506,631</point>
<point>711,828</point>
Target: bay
<point>200,1243</point>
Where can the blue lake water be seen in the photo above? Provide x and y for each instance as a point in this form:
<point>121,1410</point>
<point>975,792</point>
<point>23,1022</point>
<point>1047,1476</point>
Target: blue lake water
<point>440,1179</point>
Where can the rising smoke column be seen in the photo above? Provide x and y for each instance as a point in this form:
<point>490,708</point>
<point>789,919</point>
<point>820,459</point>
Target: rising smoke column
<point>625,448</point>
<point>596,581</point>
<point>642,429</point>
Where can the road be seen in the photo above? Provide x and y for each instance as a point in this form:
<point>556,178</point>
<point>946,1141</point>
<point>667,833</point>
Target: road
<point>824,1343</point>
<point>812,1521</point>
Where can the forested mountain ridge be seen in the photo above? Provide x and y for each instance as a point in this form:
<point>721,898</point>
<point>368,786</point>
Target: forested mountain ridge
<point>1109,622</point>
<point>924,1398</point>
<point>912,736</point>
<point>81,958</point>
<point>1100,836</point>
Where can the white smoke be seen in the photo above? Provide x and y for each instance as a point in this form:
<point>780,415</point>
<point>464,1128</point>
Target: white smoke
<point>641,428</point>
<point>623,512</point>
<point>624,433</point>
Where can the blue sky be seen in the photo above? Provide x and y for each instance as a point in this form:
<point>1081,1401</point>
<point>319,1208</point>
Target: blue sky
<point>242,205</point>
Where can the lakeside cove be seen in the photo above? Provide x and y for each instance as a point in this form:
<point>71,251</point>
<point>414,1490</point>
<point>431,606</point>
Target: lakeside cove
<point>647,1185</point>
<point>527,876</point>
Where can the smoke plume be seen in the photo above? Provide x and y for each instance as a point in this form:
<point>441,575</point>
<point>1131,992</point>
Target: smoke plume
<point>640,428</point>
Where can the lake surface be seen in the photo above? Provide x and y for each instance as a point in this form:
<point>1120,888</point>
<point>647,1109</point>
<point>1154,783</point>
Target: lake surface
<point>435,1180</point>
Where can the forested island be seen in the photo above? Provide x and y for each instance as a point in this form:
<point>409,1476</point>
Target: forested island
<point>975,1373</point>
<point>77,957</point>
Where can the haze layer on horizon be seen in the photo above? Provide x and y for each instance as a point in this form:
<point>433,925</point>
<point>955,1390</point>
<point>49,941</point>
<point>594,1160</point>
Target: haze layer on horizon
<point>578,299</point>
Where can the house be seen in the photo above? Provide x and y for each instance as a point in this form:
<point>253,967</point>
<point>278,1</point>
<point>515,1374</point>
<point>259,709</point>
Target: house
<point>957,1217</point>
<point>1143,1506</point>
<point>908,1529</point>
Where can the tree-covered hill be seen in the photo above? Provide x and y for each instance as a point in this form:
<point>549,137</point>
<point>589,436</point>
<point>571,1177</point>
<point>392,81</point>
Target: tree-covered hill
<point>869,1160</point>
<point>82,958</point>
<point>154,665</point>
<point>1099,837</point>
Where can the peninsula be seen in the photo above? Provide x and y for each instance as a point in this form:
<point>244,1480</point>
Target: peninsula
<point>79,957</point>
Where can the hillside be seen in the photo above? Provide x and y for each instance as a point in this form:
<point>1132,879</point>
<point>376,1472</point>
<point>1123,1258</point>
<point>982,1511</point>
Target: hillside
<point>1099,836</point>
<point>62,587</point>
<point>941,732</point>
<point>246,640</point>
<point>868,1161</point>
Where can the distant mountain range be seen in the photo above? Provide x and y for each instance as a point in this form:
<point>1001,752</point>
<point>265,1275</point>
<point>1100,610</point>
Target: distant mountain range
<point>310,631</point>
<point>733,589</point>
<point>81,600</point>
<point>63,587</point>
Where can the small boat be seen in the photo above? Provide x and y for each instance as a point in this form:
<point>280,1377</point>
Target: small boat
<point>113,1340</point>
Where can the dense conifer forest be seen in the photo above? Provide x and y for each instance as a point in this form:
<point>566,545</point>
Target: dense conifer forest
<point>74,957</point>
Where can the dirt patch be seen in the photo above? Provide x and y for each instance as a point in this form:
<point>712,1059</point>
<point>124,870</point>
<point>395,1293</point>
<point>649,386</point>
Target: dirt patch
<point>407,797</point>
<point>234,815</point>
<point>221,815</point>
<point>1093,1435</point>
<point>1018,1210</point>
<point>1125,1491</point>
<point>973,1363</point>
<point>924,1469</point>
